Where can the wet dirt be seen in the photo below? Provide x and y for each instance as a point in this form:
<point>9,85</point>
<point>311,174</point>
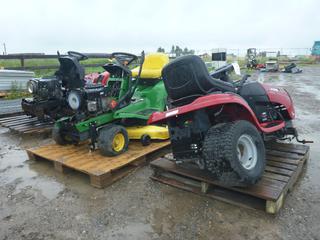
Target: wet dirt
<point>38,203</point>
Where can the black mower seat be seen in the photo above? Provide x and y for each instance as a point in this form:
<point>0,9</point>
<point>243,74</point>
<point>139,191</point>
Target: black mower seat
<point>188,75</point>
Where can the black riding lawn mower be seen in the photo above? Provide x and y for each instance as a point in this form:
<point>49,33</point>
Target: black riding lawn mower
<point>222,126</point>
<point>49,94</point>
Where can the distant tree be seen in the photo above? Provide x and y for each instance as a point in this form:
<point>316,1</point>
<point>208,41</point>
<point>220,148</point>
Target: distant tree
<point>172,49</point>
<point>160,49</point>
<point>178,51</point>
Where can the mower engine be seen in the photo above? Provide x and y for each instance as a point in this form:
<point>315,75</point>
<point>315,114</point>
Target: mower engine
<point>91,100</point>
<point>45,89</point>
<point>47,98</point>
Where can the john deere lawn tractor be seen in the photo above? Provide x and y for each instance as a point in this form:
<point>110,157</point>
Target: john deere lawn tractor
<point>109,116</point>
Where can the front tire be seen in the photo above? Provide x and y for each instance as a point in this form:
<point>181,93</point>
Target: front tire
<point>235,153</point>
<point>58,137</point>
<point>113,140</point>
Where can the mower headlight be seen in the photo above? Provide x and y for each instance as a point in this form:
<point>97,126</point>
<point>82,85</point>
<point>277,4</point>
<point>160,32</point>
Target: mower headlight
<point>32,86</point>
<point>74,100</point>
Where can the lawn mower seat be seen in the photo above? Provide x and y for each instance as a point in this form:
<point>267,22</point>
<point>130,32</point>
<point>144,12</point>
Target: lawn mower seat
<point>152,66</point>
<point>188,76</point>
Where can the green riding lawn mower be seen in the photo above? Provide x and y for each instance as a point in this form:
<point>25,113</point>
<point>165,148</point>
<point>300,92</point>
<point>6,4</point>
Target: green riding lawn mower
<point>110,115</point>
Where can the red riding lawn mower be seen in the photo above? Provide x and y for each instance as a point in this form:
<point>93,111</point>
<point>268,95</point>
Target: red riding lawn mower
<point>220,125</point>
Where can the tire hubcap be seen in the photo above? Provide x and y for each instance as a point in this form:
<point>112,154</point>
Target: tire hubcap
<point>247,152</point>
<point>118,142</point>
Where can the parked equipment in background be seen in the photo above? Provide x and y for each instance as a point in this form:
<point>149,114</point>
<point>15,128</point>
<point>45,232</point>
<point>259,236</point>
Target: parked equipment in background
<point>222,126</point>
<point>219,57</point>
<point>315,51</point>
<point>270,66</point>
<point>292,68</point>
<point>49,94</point>
<point>102,114</point>
<point>251,58</point>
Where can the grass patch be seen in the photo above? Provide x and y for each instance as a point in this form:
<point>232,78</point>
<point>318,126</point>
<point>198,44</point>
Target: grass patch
<point>10,63</point>
<point>17,91</point>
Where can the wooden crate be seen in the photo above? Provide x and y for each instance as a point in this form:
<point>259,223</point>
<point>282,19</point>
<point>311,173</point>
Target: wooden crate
<point>24,124</point>
<point>284,165</point>
<point>102,170</point>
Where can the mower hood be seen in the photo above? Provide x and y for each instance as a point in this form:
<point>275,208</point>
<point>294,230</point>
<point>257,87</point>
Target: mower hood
<point>71,72</point>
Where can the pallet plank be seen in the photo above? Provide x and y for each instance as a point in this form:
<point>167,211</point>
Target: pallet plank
<point>288,146</point>
<point>281,165</point>
<point>24,124</point>
<point>276,177</point>
<point>283,160</point>
<point>283,154</point>
<point>20,122</point>
<point>280,171</point>
<point>9,119</point>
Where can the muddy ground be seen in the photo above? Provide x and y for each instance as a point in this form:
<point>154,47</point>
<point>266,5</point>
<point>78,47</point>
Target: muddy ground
<point>38,203</point>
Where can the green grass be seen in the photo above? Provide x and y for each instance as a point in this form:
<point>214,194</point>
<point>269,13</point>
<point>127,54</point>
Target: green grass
<point>47,62</point>
<point>16,91</point>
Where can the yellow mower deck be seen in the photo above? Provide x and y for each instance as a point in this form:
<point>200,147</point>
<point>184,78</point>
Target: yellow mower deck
<point>154,132</point>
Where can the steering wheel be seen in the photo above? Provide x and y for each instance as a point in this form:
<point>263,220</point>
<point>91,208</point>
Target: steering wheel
<point>124,58</point>
<point>79,56</point>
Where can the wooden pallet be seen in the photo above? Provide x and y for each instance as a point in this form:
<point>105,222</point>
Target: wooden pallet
<point>103,171</point>
<point>24,124</point>
<point>11,114</point>
<point>284,165</point>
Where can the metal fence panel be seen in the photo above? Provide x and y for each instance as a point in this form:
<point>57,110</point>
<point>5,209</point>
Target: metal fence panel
<point>8,78</point>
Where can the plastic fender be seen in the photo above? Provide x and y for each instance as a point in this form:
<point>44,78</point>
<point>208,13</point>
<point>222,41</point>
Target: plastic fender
<point>280,96</point>
<point>214,100</point>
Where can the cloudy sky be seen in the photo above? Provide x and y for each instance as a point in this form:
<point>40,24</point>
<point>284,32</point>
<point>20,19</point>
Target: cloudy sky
<point>127,25</point>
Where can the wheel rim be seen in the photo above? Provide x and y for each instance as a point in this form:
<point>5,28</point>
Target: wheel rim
<point>118,142</point>
<point>247,152</point>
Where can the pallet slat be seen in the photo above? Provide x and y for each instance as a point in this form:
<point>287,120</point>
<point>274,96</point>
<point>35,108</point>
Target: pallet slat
<point>268,194</point>
<point>24,124</point>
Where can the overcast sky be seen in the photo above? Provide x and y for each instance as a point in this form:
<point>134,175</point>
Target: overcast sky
<point>119,25</point>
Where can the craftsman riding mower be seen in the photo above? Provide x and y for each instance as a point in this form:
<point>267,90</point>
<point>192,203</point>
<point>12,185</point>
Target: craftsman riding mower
<point>222,126</point>
<point>49,94</point>
<point>110,116</point>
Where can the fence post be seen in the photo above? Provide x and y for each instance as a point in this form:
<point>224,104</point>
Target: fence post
<point>22,62</point>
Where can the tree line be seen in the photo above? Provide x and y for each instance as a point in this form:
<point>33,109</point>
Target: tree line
<point>177,50</point>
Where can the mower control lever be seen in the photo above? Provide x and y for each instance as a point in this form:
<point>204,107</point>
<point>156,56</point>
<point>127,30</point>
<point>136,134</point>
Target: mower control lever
<point>240,83</point>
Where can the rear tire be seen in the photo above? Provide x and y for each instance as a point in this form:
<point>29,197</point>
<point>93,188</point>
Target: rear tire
<point>58,137</point>
<point>113,140</point>
<point>235,153</point>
